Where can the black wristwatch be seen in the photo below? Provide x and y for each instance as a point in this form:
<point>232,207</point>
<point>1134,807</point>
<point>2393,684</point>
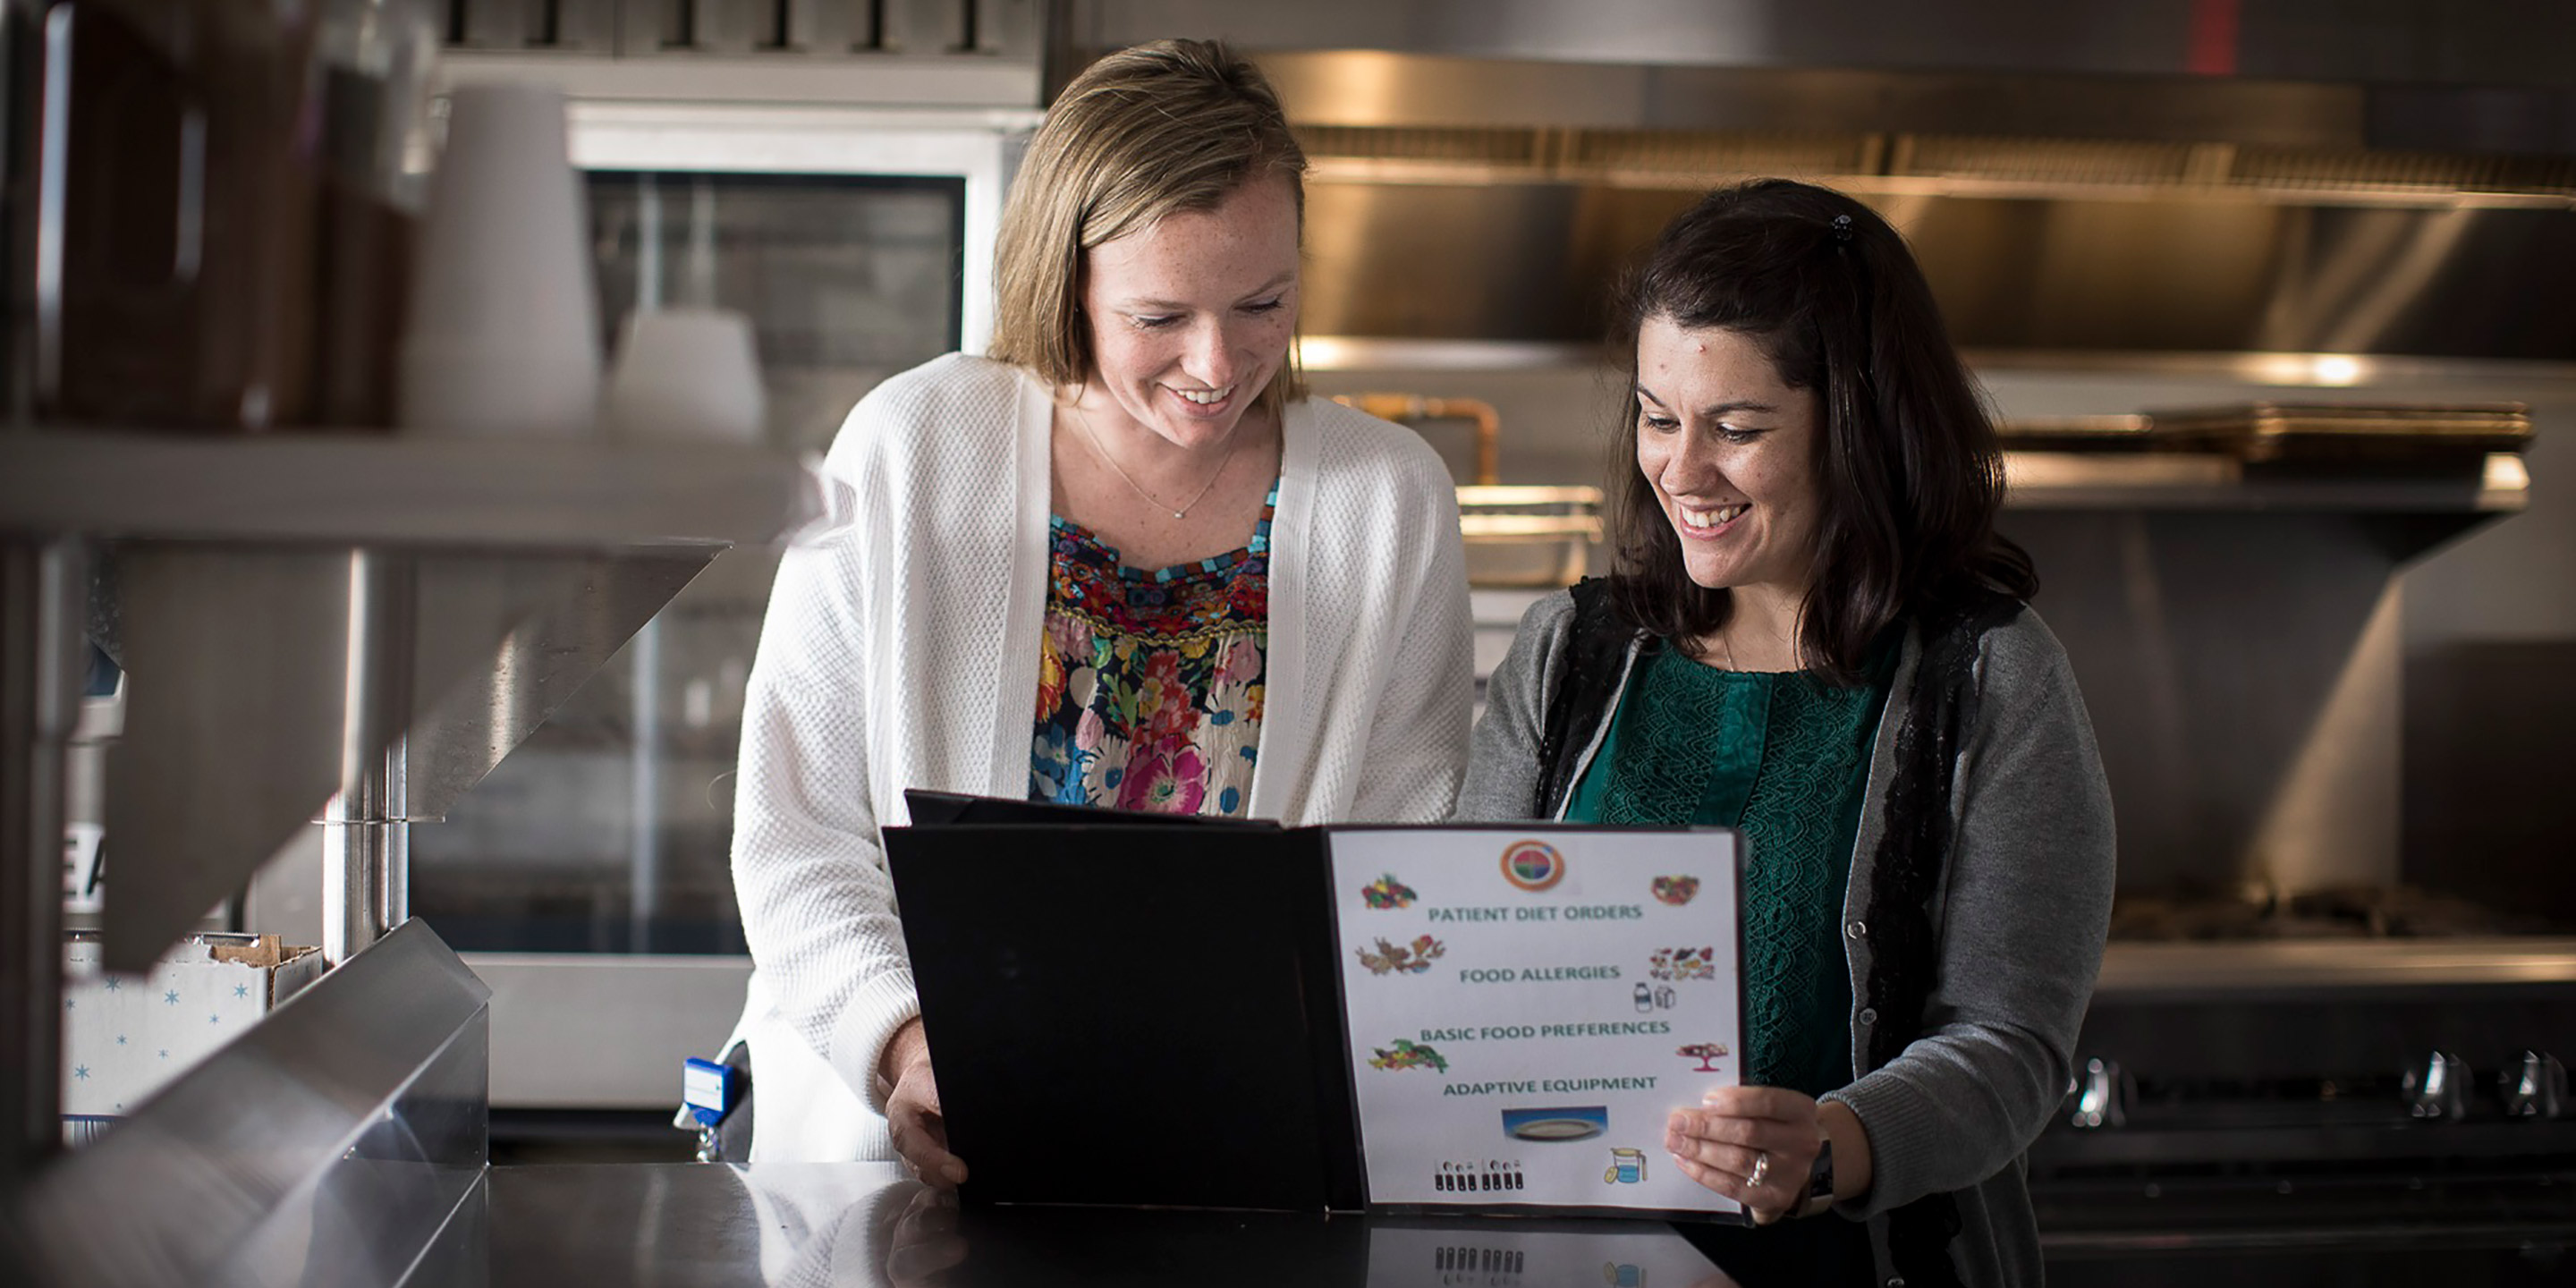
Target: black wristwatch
<point>1820,1180</point>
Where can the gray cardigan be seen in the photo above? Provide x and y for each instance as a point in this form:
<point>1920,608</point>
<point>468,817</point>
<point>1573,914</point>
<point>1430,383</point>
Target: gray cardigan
<point>2019,914</point>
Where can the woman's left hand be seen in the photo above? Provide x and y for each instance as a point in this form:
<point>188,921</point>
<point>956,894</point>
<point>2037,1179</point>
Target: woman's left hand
<point>1755,1145</point>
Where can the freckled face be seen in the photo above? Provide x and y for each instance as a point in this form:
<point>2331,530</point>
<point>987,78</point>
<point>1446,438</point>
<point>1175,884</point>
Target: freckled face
<point>1729,449</point>
<point>1191,316</point>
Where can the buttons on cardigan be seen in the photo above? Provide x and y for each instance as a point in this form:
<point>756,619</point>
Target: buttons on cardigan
<point>1856,929</point>
<point>1868,1015</point>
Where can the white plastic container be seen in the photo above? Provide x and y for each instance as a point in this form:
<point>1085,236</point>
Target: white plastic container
<point>686,375</point>
<point>502,338</point>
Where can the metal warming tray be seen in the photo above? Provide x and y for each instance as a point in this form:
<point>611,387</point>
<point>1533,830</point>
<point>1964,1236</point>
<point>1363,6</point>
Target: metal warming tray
<point>1517,537</point>
<point>1528,536</point>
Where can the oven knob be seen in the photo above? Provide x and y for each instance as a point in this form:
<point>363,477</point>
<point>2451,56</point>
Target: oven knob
<point>2101,1095</point>
<point>2536,1087</point>
<point>2439,1089</point>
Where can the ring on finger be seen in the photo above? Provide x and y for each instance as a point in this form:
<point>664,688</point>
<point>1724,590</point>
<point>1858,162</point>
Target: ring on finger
<point>1761,1169</point>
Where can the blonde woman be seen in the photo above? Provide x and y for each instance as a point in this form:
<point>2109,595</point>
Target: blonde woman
<point>1121,561</point>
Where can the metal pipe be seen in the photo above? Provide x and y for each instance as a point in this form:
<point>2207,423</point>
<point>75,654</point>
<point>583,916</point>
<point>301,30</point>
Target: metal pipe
<point>42,603</point>
<point>644,817</point>
<point>359,847</point>
<point>397,886</point>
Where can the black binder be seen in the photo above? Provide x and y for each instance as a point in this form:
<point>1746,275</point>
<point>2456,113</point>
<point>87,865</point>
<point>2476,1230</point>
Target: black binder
<point>1090,1053</point>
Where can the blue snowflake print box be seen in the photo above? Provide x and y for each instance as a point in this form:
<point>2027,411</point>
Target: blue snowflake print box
<point>127,1036</point>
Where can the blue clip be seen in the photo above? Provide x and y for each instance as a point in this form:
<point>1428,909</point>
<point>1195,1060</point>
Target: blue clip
<point>710,1090</point>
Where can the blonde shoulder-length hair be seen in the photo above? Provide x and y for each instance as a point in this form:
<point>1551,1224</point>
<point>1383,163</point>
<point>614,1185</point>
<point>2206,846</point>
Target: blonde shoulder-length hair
<point>1176,125</point>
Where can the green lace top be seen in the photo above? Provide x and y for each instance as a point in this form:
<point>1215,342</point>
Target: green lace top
<point>1785,760</point>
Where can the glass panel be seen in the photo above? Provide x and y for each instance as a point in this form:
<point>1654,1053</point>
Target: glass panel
<point>608,830</point>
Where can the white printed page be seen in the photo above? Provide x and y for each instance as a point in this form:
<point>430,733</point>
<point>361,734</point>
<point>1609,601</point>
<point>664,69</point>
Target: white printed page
<point>1526,1007</point>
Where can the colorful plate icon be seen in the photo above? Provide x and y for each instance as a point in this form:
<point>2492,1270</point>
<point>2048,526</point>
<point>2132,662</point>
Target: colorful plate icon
<point>1581,1122</point>
<point>1532,865</point>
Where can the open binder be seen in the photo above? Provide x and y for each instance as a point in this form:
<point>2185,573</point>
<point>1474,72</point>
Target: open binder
<point>1167,1011</point>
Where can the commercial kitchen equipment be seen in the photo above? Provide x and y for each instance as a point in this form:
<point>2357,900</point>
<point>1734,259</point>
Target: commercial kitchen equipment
<point>375,620</point>
<point>1524,536</point>
<point>587,881</point>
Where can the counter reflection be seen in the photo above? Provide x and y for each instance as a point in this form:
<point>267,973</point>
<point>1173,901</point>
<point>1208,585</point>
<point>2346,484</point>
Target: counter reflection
<point>861,1225</point>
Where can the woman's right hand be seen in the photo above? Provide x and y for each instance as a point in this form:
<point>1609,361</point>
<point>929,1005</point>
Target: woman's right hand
<point>912,1110</point>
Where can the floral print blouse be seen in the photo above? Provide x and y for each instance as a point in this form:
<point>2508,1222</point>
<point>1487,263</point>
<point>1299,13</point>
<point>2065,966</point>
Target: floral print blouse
<point>1150,683</point>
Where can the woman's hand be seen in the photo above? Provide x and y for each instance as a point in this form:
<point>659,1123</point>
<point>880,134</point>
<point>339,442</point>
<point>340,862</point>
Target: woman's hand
<point>1755,1145</point>
<point>912,1110</point>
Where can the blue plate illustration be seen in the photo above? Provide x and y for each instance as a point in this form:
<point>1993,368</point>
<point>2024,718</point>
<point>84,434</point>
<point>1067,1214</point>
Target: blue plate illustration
<point>1577,1123</point>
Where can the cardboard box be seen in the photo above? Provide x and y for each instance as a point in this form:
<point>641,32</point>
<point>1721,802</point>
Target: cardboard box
<point>125,1037</point>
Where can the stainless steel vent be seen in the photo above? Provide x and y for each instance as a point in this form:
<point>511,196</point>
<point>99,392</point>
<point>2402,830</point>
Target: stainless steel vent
<point>2085,161</point>
<point>1703,153</point>
<point>1525,153</point>
<point>1470,145</point>
<point>2306,170</point>
<point>2432,171</point>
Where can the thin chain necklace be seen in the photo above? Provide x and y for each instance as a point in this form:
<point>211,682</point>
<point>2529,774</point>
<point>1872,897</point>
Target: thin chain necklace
<point>1726,644</point>
<point>1112,462</point>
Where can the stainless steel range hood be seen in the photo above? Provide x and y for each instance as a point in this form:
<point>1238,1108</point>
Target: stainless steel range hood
<point>2079,177</point>
<point>1491,200</point>
<point>2493,43</point>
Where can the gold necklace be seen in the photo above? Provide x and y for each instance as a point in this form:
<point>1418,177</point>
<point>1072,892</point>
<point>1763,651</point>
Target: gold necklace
<point>1726,642</point>
<point>1092,438</point>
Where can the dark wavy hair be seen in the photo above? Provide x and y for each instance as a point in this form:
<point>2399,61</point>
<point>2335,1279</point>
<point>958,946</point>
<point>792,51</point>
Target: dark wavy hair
<point>1907,465</point>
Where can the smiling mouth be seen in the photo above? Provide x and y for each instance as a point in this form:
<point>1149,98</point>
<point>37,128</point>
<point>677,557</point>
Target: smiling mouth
<point>1204,397</point>
<point>1710,521</point>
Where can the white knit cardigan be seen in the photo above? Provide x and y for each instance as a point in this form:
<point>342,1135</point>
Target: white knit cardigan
<point>901,651</point>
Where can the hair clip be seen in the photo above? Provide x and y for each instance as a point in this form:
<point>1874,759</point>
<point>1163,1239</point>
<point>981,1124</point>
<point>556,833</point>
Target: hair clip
<point>1842,229</point>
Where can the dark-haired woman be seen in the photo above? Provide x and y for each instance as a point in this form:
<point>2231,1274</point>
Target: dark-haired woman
<point>1815,635</point>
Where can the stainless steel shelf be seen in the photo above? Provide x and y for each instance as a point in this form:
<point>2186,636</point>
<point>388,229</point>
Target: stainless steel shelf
<point>496,576</point>
<point>386,489</point>
<point>2208,481</point>
<point>2197,969</point>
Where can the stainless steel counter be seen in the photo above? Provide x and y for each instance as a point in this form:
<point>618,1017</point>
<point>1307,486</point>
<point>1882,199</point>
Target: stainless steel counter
<point>861,1225</point>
